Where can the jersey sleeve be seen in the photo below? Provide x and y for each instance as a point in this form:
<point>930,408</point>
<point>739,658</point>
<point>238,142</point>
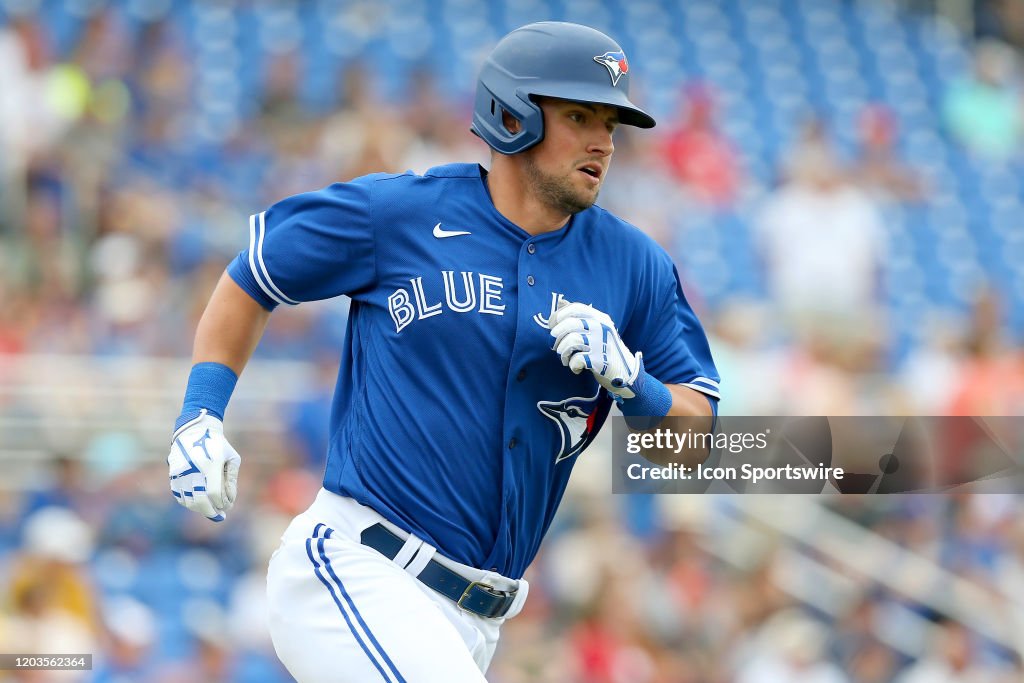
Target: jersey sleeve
<point>311,246</point>
<point>667,331</point>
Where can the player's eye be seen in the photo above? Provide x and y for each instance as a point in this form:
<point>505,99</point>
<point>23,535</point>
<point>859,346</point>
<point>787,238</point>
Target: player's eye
<point>576,116</point>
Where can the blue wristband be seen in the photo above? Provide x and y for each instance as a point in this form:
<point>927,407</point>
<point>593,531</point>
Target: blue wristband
<point>209,386</point>
<point>653,400</point>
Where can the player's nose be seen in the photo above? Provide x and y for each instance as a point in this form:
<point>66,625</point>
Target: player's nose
<point>601,144</point>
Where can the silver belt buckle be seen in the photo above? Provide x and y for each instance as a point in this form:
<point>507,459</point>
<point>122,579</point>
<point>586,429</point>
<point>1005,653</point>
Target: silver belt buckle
<point>487,587</point>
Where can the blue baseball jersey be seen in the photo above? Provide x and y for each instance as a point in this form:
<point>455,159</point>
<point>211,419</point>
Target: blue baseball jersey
<point>453,417</point>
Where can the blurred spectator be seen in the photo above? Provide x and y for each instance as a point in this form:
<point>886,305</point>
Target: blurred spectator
<point>741,335</point>
<point>1001,19</point>
<point>854,632</point>
<point>211,658</point>
<point>65,489</point>
<point>931,370</point>
<point>791,649</point>
<point>42,264</point>
<point>877,169</point>
<point>822,242</point>
<point>51,601</point>
<point>131,634</point>
<point>141,522</point>
<point>983,110</point>
<point>698,155</point>
<point>439,132</point>
<point>991,381</point>
<point>951,658</point>
<point>641,192</point>
<point>873,662</point>
<point>604,649</point>
<point>39,100</point>
<point>365,135</point>
<point>812,150</point>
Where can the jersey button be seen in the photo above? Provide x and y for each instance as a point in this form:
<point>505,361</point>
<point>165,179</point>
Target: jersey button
<point>529,280</point>
<point>521,376</point>
<point>532,248</point>
<point>512,443</point>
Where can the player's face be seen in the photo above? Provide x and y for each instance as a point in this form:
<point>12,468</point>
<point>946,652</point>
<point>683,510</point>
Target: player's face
<point>567,168</point>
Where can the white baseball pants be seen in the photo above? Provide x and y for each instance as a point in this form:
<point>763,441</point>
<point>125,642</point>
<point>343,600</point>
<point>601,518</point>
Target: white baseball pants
<point>340,611</point>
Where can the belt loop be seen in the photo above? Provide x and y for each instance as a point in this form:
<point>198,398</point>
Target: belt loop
<point>423,557</point>
<point>522,591</point>
<point>405,555</point>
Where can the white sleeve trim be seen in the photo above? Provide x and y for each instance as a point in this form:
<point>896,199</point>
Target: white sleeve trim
<point>257,229</point>
<point>702,388</point>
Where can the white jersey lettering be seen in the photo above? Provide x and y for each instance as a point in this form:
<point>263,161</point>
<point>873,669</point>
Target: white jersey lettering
<point>405,307</point>
<point>557,299</point>
<point>490,294</point>
<point>425,311</point>
<point>402,312</point>
<point>467,304</point>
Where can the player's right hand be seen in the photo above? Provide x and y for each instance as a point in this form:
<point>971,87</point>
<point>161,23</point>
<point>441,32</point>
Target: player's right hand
<point>203,467</point>
<point>586,339</point>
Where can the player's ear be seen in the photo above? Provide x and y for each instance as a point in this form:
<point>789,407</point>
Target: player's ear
<point>511,123</point>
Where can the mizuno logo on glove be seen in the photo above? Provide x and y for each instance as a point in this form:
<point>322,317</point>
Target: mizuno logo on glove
<point>203,467</point>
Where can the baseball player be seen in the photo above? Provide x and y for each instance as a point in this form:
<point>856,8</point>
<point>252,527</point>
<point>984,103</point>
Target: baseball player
<point>496,316</point>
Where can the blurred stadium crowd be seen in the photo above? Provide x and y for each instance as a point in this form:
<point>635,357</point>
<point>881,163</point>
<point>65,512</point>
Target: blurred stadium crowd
<point>841,183</point>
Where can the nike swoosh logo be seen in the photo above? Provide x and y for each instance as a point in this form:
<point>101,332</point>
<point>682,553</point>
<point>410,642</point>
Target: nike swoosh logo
<point>441,234</point>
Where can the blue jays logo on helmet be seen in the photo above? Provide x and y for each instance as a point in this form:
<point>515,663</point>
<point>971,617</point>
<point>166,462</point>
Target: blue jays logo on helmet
<point>577,419</point>
<point>616,64</point>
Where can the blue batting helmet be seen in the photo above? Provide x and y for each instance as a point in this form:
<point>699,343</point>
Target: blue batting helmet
<point>549,59</point>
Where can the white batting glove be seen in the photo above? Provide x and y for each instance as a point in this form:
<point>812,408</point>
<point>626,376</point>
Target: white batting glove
<point>203,467</point>
<point>586,338</point>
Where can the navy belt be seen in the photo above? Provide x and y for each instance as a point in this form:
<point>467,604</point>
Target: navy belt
<point>472,596</point>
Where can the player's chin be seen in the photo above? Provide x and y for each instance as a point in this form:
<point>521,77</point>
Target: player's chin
<point>580,201</point>
<point>587,193</point>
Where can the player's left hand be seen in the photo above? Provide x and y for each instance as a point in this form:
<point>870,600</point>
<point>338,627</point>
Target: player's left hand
<point>586,338</point>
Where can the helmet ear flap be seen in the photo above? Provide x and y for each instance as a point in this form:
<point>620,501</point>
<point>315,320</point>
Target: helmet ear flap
<point>489,123</point>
